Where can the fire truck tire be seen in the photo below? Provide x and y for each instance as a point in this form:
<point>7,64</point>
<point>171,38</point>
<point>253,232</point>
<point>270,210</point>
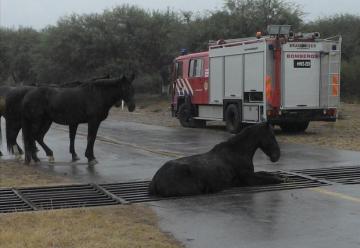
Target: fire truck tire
<point>186,119</point>
<point>233,119</point>
<point>294,127</point>
<point>302,126</point>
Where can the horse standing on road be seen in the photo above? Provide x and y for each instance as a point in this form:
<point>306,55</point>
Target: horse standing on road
<point>228,164</point>
<point>13,116</point>
<point>89,103</point>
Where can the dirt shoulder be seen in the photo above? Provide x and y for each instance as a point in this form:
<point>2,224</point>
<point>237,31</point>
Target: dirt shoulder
<point>16,174</point>
<point>342,134</point>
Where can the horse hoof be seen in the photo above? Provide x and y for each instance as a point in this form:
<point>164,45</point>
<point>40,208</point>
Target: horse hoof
<point>51,159</point>
<point>93,162</point>
<point>75,158</point>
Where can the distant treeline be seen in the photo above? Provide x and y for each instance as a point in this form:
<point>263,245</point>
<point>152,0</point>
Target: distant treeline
<point>130,39</point>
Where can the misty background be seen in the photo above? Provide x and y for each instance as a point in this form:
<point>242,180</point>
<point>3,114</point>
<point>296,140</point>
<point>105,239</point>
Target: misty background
<point>43,41</point>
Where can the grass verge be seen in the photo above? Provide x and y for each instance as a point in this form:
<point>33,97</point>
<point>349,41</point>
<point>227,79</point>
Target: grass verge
<point>120,226</point>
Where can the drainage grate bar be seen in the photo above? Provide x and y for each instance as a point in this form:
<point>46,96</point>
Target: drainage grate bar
<point>333,169</point>
<point>61,193</point>
<point>68,196</point>
<point>27,201</point>
<point>341,175</point>
<point>12,202</point>
<point>115,197</point>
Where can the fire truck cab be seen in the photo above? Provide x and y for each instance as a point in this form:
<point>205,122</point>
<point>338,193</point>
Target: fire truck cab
<point>283,78</point>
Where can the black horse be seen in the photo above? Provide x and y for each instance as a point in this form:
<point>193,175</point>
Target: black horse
<point>89,103</point>
<point>228,164</point>
<point>13,116</point>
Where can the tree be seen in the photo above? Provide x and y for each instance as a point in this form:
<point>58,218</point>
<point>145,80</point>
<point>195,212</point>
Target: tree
<point>250,16</point>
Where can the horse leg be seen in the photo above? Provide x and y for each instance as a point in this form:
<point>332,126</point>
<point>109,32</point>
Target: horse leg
<point>269,178</point>
<point>36,133</point>
<point>28,139</point>
<point>40,139</point>
<point>93,127</point>
<point>30,149</point>
<point>262,178</point>
<point>72,133</point>
<point>12,131</point>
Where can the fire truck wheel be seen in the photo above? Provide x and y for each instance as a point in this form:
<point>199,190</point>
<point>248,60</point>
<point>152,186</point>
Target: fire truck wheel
<point>302,126</point>
<point>294,127</point>
<point>233,119</point>
<point>186,117</point>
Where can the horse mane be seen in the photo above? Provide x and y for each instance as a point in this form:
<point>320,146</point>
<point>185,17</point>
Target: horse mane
<point>243,137</point>
<point>101,83</point>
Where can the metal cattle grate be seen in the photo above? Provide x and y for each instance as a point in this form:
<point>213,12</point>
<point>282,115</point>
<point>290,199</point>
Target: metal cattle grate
<point>74,196</point>
<point>12,202</point>
<point>132,192</point>
<point>343,175</point>
<point>293,181</point>
<point>135,192</point>
<point>89,195</point>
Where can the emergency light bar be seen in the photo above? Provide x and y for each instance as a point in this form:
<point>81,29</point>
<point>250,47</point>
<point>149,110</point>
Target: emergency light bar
<point>278,29</point>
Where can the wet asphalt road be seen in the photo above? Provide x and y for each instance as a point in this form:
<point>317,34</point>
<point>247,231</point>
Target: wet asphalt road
<point>322,217</point>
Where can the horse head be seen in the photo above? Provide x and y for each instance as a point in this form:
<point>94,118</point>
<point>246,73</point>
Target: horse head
<point>127,93</point>
<point>268,143</point>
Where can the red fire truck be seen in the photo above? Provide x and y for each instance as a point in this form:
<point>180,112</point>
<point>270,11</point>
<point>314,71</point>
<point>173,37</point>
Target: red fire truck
<point>285,78</point>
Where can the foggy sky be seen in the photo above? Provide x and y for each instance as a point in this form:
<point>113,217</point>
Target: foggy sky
<point>40,13</point>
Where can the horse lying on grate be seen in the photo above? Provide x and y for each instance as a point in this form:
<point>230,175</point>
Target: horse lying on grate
<point>228,164</point>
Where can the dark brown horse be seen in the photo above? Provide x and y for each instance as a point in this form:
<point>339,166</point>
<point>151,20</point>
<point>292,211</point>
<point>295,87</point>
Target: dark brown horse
<point>89,103</point>
<point>13,115</point>
<point>228,164</point>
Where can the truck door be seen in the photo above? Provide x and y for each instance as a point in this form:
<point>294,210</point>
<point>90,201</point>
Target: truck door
<point>301,80</point>
<point>216,80</point>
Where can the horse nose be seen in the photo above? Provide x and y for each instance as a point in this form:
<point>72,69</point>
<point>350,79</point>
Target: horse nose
<point>275,157</point>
